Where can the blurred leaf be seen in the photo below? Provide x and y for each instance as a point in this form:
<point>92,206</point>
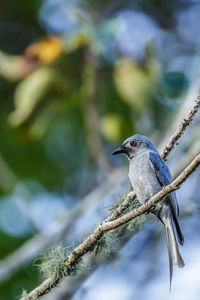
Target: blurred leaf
<point>111,127</point>
<point>132,82</point>
<point>15,67</point>
<point>42,121</point>
<point>29,93</point>
<point>75,41</point>
<point>92,35</point>
<point>45,50</point>
<point>108,28</point>
<point>10,66</point>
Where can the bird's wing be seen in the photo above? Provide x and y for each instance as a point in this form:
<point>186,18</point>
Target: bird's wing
<point>164,177</point>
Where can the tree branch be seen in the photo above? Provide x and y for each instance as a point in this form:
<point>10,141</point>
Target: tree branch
<point>49,283</point>
<point>71,284</point>
<point>89,243</point>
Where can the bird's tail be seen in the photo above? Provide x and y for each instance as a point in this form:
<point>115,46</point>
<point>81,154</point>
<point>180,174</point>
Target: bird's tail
<point>173,251</point>
<point>178,229</point>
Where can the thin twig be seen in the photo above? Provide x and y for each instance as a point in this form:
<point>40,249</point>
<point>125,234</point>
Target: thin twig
<point>89,243</point>
<point>185,122</point>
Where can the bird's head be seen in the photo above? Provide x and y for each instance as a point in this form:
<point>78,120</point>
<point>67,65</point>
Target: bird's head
<point>133,145</point>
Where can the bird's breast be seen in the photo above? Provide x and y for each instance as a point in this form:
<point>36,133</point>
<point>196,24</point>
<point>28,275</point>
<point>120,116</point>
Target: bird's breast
<point>143,178</point>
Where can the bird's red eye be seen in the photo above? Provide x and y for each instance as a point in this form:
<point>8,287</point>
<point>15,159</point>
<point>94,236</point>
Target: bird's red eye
<point>133,143</point>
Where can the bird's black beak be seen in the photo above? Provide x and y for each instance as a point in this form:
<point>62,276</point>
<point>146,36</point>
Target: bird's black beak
<point>119,150</point>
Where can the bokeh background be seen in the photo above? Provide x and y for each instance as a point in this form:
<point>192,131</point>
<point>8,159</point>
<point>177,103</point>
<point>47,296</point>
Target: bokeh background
<point>76,79</point>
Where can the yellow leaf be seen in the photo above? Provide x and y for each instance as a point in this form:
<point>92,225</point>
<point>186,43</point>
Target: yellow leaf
<point>46,50</point>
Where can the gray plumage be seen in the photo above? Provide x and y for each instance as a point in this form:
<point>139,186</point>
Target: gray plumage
<point>148,173</point>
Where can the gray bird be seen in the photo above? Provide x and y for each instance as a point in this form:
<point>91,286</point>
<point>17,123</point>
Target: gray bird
<point>148,173</point>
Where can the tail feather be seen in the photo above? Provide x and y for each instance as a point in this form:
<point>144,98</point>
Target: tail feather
<point>178,230</point>
<point>173,251</point>
<point>170,257</point>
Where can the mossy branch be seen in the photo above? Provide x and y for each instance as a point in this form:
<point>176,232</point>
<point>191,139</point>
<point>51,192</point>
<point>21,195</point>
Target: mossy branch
<point>89,243</point>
